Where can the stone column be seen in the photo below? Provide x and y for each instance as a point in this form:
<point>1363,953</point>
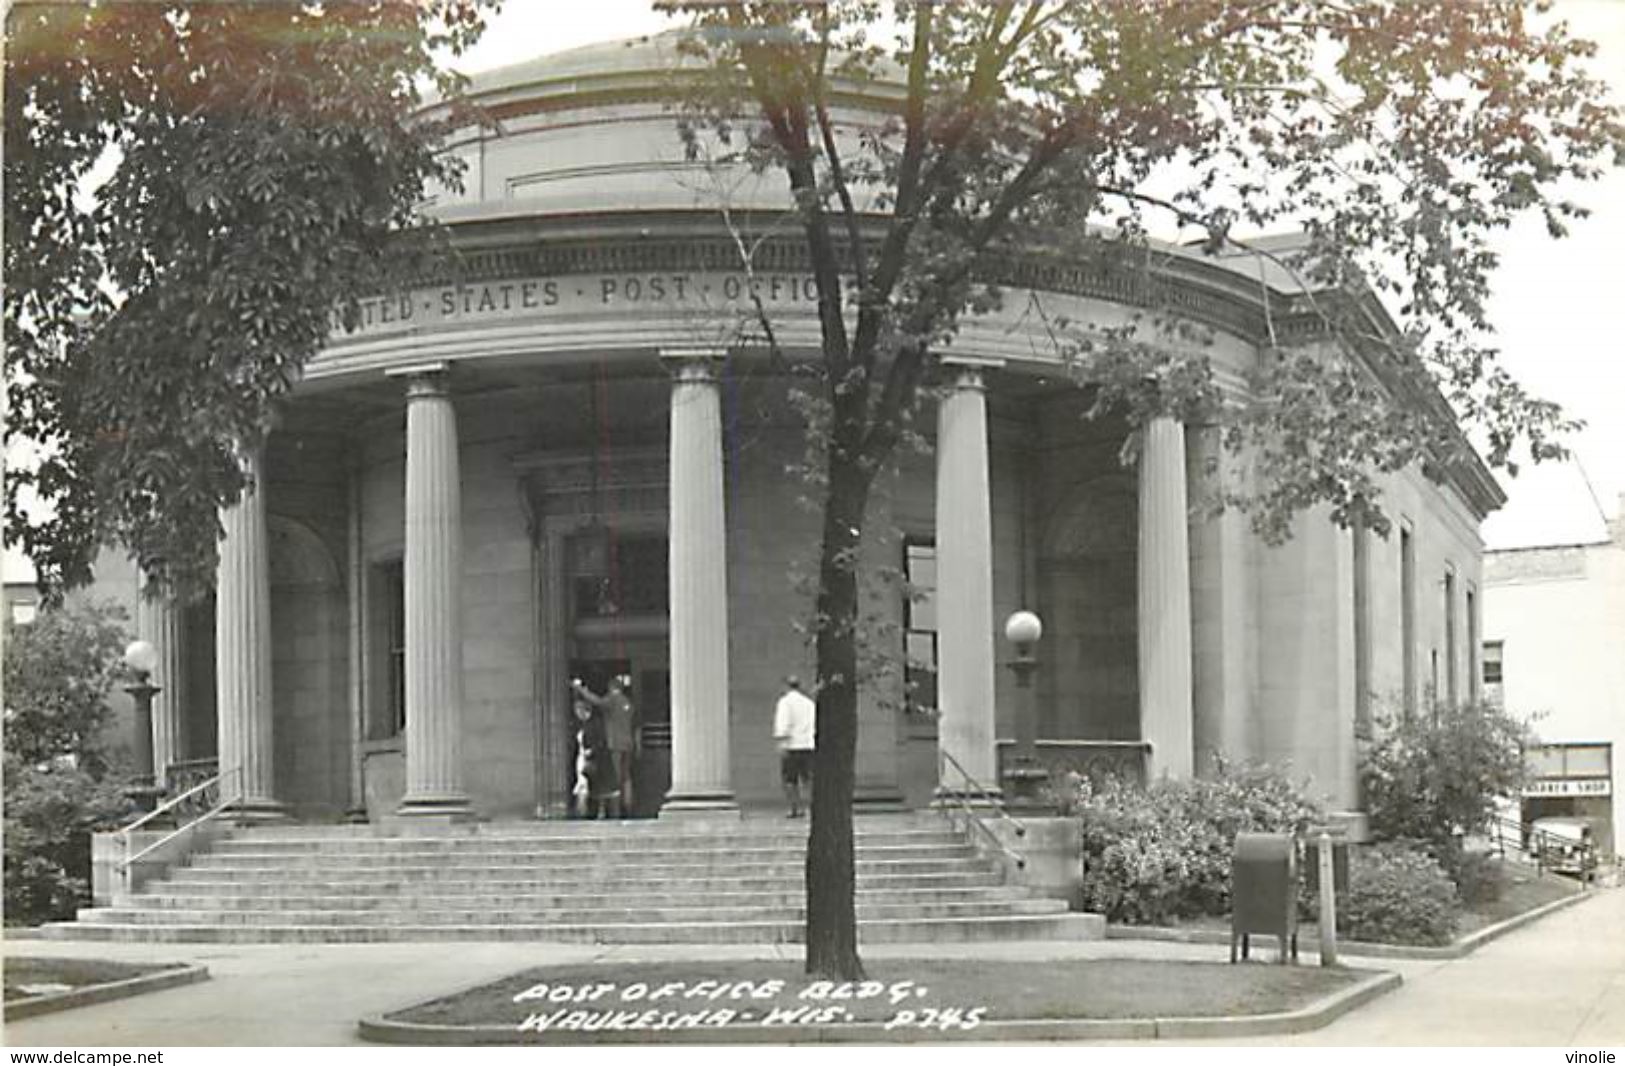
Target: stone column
<point>355,595</point>
<point>701,775</point>
<point>1165,602</point>
<point>965,670</point>
<point>432,575</point>
<point>242,641</point>
<point>158,622</point>
<point>1223,624</point>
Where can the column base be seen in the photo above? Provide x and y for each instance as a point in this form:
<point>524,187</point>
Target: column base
<point>717,806</point>
<point>878,798</point>
<point>1026,787</point>
<point>257,812</point>
<point>146,797</point>
<point>554,811</point>
<point>444,809</point>
<point>356,816</point>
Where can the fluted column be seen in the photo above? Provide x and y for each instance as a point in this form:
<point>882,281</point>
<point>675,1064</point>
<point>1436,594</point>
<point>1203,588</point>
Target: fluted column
<point>1165,601</point>
<point>701,776</point>
<point>158,622</point>
<point>965,682</point>
<point>432,575</point>
<point>242,641</point>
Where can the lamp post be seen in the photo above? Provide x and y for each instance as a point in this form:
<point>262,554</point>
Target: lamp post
<point>1024,776</point>
<point>142,659</point>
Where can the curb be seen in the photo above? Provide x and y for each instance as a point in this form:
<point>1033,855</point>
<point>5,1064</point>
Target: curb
<point>381,1030</point>
<point>104,993</point>
<point>1459,949</point>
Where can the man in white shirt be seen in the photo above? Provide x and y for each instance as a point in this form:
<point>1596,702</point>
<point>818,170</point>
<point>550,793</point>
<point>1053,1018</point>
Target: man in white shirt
<point>795,724</point>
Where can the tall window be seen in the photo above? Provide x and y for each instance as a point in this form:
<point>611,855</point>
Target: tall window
<point>386,595</point>
<point>1407,615</point>
<point>1494,651</point>
<point>1450,635</point>
<point>920,625</point>
<point>1362,630</point>
<point>1472,645</point>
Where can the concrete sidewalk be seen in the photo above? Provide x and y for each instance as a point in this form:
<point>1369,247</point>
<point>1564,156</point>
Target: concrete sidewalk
<point>1559,981</point>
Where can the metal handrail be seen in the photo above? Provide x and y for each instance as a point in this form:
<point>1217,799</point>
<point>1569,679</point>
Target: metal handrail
<point>970,814</point>
<point>168,805</point>
<point>992,801</point>
<point>173,802</point>
<point>1535,841</point>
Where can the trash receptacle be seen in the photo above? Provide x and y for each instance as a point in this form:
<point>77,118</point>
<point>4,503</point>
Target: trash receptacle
<point>1264,891</point>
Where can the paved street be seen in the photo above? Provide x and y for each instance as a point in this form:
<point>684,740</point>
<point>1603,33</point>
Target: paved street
<point>1559,982</point>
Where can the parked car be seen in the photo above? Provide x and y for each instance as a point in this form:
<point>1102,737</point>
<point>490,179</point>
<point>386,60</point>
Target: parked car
<point>1566,845</point>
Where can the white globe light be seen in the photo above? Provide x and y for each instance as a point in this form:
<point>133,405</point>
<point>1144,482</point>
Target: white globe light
<point>1023,629</point>
<point>141,657</point>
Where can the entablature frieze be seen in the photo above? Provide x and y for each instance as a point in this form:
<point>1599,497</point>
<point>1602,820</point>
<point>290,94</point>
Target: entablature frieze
<point>1176,284</point>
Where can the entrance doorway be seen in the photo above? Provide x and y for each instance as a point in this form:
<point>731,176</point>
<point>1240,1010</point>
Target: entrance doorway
<point>619,626</point>
<point>644,666</point>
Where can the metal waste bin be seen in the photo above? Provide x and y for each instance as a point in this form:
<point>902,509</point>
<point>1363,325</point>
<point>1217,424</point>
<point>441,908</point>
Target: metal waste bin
<point>1264,891</point>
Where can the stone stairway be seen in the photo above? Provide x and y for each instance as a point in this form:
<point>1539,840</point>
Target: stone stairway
<point>573,882</point>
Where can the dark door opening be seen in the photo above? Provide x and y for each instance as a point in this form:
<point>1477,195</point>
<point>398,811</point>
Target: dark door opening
<point>651,721</point>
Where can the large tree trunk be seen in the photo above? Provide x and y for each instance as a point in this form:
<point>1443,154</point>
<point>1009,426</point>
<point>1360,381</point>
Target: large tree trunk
<point>832,931</point>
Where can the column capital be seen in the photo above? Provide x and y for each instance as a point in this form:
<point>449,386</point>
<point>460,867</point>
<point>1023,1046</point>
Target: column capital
<point>965,373</point>
<point>424,380</point>
<point>694,364</point>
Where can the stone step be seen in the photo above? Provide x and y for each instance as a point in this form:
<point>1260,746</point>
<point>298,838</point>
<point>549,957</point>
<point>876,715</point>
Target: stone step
<point>316,901</point>
<point>935,930</point>
<point>646,882</point>
<point>561,858</point>
<point>436,915</point>
<point>700,870</point>
<point>619,841</point>
<point>640,828</point>
<point>619,883</point>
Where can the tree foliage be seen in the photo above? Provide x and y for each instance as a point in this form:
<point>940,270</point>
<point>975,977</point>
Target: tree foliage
<point>190,191</point>
<point>1397,136</point>
<point>59,670</point>
<point>60,778</point>
<point>1434,777</point>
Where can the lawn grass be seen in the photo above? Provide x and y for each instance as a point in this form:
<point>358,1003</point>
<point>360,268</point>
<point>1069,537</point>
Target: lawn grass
<point>1080,989</point>
<point>1522,889</point>
<point>25,977</point>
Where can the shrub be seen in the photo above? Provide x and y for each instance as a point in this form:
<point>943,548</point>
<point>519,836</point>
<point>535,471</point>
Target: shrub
<point>59,782</point>
<point>1480,878</point>
<point>1398,895</point>
<point>1434,777</point>
<point>1162,853</point>
<point>51,810</point>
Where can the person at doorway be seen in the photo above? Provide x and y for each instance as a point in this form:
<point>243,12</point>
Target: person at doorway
<point>615,709</point>
<point>594,784</point>
<point>795,723</point>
